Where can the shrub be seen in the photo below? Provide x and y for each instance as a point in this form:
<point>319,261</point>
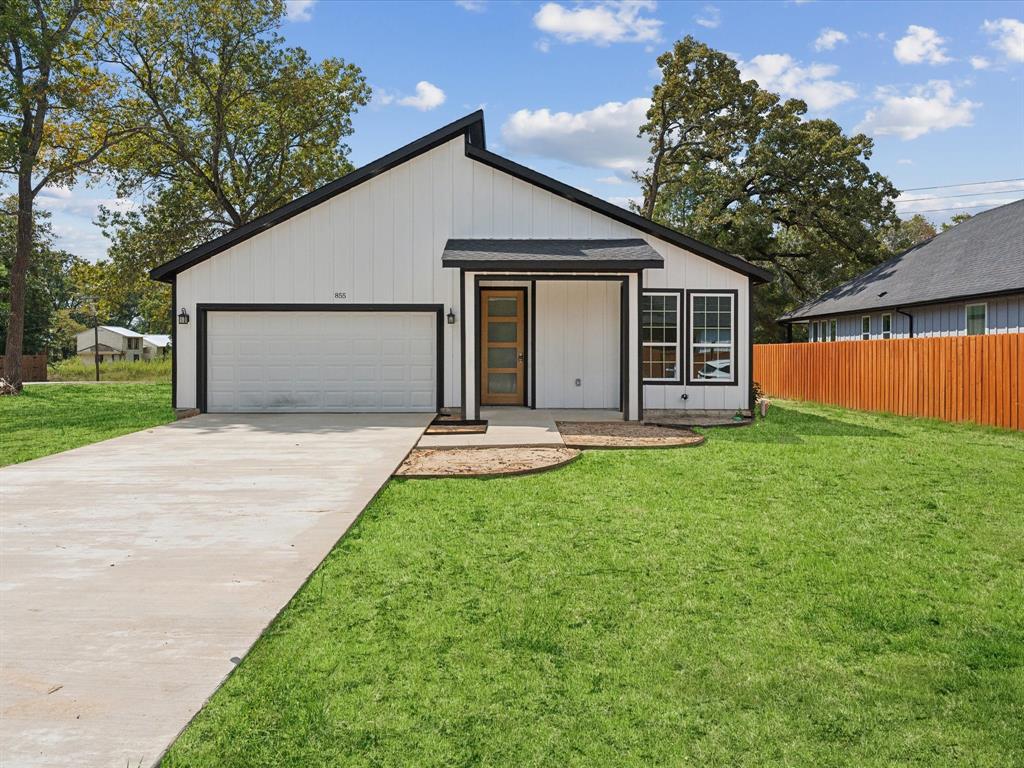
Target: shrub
<point>73,369</point>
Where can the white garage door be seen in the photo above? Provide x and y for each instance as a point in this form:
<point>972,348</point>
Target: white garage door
<point>321,361</point>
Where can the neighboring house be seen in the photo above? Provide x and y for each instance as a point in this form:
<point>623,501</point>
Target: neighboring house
<point>965,281</point>
<point>115,343</point>
<point>444,276</point>
<point>155,345</point>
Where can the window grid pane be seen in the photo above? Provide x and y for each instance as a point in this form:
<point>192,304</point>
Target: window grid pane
<point>711,338</point>
<point>660,334</point>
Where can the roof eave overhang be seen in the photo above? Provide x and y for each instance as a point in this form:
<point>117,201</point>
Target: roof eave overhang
<point>788,319</point>
<point>552,265</point>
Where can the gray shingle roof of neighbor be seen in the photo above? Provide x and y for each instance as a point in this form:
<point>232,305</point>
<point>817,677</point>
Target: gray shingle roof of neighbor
<point>631,253</point>
<point>980,256</point>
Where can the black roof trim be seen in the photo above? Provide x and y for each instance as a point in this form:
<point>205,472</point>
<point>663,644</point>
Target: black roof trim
<point>551,265</point>
<point>628,218</point>
<point>471,125</point>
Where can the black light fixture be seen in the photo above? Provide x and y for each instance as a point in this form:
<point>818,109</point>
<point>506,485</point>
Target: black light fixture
<point>183,317</point>
<point>451,316</point>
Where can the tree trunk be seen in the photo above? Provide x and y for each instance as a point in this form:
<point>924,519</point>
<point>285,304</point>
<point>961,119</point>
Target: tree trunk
<point>19,270</point>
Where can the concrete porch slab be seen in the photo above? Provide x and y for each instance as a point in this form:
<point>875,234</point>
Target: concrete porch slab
<point>510,426</point>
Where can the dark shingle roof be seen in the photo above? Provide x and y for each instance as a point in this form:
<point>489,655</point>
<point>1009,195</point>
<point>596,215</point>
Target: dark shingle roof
<point>983,255</point>
<point>631,253</point>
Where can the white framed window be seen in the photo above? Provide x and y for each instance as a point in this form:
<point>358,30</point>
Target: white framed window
<point>833,327</point>
<point>865,327</point>
<point>814,331</point>
<point>712,358</point>
<point>886,326</point>
<point>659,313</point>
<point>976,319</point>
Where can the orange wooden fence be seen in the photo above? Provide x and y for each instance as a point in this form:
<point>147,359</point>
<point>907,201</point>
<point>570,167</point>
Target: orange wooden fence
<point>955,378</point>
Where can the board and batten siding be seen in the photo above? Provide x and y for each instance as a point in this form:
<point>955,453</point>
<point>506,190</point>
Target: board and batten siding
<point>1005,315</point>
<point>381,242</point>
<point>578,338</point>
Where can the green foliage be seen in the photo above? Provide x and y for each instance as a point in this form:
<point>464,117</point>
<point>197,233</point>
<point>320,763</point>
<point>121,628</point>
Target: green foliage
<point>735,166</point>
<point>232,124</point>
<point>73,369</point>
<point>49,418</point>
<point>824,588</point>
<point>49,289</point>
<point>956,218</point>
<point>907,233</point>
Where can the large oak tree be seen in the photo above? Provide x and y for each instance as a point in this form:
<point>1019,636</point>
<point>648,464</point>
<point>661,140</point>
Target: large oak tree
<point>736,166</point>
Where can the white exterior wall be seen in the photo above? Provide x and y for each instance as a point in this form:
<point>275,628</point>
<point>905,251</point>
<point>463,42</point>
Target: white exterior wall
<point>381,242</point>
<point>1005,315</point>
<point>578,338</point>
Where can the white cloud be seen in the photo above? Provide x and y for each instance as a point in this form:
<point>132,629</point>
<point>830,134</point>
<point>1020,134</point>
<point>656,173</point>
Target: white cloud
<point>624,202</point>
<point>980,62</point>
<point>828,39</point>
<point>780,73</point>
<point>474,6</point>
<point>927,108</point>
<point>904,161</point>
<point>543,45</point>
<point>611,21</point>
<point>613,180</point>
<point>428,96</point>
<point>920,44</point>
<point>710,17</point>
<point>603,137</point>
<point>299,10</point>
<point>970,197</point>
<point>81,203</point>
<point>1008,37</point>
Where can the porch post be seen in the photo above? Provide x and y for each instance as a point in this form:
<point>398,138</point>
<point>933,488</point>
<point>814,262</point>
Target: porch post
<point>470,404</point>
<point>633,405</point>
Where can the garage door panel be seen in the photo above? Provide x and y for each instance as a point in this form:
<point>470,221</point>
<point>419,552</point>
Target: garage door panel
<point>321,361</point>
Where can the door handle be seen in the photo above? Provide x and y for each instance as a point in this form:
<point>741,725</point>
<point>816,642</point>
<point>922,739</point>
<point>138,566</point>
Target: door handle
<point>520,357</point>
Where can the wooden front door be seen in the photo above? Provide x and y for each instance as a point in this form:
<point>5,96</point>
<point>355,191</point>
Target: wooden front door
<point>502,346</point>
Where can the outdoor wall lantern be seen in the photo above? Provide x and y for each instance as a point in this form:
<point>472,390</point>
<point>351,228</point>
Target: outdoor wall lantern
<point>451,316</point>
<point>183,317</point>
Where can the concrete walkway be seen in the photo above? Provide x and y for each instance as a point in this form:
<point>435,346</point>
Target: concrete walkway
<point>135,572</point>
<point>508,426</point>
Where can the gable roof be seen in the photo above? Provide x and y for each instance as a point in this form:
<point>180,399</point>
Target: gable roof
<point>472,127</point>
<point>982,256</point>
<point>157,339</point>
<point>550,254</point>
<point>122,331</point>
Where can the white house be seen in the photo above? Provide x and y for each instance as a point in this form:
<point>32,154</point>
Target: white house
<point>117,343</point>
<point>444,276</point>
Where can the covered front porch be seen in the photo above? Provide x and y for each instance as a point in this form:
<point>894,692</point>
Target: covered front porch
<point>550,325</point>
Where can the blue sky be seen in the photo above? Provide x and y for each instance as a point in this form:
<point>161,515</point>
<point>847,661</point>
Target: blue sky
<point>940,86</point>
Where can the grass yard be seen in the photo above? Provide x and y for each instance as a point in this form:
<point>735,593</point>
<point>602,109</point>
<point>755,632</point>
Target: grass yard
<point>827,588</point>
<point>73,369</point>
<point>48,418</point>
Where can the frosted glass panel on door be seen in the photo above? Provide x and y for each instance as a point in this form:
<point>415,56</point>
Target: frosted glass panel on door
<point>501,357</point>
<point>501,383</point>
<point>502,306</point>
<point>501,332</point>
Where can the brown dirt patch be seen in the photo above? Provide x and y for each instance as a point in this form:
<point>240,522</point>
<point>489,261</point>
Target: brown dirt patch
<point>623,434</point>
<point>483,462</point>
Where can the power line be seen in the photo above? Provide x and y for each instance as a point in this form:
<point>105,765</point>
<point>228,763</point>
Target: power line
<point>961,208</point>
<point>966,184</point>
<point>964,194</point>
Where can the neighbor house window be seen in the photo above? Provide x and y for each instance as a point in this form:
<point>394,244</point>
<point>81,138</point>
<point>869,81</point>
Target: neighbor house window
<point>712,337</point>
<point>977,316</point>
<point>832,327</point>
<point>661,337</point>
<point>886,326</point>
<point>865,327</point>
<point>814,331</point>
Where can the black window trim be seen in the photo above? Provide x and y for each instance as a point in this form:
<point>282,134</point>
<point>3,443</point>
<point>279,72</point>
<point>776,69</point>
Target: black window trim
<point>680,294</point>
<point>735,339</point>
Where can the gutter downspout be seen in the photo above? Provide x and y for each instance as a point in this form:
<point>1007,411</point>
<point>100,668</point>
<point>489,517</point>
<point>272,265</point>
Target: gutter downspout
<point>909,317</point>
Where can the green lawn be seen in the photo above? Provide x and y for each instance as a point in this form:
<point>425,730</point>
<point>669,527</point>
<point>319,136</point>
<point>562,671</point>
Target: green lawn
<point>825,588</point>
<point>73,369</point>
<point>48,418</point>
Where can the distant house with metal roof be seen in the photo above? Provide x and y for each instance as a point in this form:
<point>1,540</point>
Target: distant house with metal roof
<point>965,281</point>
<point>117,343</point>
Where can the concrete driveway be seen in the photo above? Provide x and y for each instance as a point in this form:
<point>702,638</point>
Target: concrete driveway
<point>134,573</point>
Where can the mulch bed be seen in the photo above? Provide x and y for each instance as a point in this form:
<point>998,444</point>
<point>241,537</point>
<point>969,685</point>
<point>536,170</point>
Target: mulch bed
<point>483,462</point>
<point>624,434</point>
